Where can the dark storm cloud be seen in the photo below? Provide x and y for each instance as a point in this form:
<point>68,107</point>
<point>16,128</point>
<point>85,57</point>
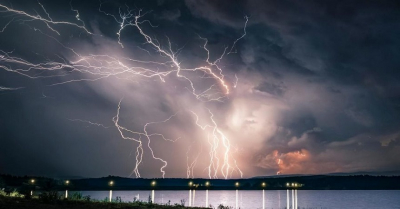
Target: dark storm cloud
<point>351,50</point>
<point>318,88</point>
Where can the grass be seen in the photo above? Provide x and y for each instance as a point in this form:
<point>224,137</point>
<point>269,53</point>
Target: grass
<point>50,200</point>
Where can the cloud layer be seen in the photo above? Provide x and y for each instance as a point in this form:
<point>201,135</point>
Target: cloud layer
<point>317,89</point>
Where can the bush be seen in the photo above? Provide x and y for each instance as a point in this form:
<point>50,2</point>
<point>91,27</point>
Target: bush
<point>2,192</point>
<point>183,201</point>
<point>76,196</point>
<point>51,196</point>
<point>87,197</point>
<point>15,193</point>
<point>26,194</point>
<point>224,207</point>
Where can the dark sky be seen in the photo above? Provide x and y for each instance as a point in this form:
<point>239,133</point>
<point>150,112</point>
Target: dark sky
<point>314,87</point>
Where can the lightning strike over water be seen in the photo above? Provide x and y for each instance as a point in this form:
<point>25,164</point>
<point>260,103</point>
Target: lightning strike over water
<point>94,67</point>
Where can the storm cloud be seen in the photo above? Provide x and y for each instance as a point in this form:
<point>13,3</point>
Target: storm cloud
<point>317,88</point>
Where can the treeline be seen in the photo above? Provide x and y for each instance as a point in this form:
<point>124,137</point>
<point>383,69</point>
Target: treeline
<point>315,182</point>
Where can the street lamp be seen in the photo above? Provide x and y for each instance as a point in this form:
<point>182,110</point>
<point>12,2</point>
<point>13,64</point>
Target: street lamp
<point>237,193</point>
<point>207,184</point>
<point>66,191</point>
<point>153,183</point>
<point>32,181</point>
<point>111,183</point>
<point>263,194</point>
<point>190,193</point>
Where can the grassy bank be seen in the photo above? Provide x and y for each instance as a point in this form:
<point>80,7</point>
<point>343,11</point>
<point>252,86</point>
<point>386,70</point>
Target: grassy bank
<point>7,202</point>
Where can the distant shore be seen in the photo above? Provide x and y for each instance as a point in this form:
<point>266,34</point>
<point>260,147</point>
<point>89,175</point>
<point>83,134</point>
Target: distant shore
<point>312,182</point>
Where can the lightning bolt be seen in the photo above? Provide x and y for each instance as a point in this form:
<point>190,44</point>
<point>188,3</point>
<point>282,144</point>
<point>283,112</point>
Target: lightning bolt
<point>190,166</point>
<point>48,22</point>
<point>236,81</point>
<point>244,34</point>
<point>89,122</point>
<point>2,88</point>
<point>102,66</point>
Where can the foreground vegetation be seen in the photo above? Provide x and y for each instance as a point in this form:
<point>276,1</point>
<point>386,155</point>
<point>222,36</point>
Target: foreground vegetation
<point>52,199</point>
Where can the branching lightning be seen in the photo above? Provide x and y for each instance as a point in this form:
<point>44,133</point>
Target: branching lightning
<point>102,66</point>
<point>236,81</point>
<point>47,21</point>
<point>244,34</point>
<point>89,122</point>
<point>2,88</point>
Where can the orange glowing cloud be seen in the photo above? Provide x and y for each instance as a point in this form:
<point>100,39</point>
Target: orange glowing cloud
<point>298,162</point>
<point>293,162</point>
<point>286,163</point>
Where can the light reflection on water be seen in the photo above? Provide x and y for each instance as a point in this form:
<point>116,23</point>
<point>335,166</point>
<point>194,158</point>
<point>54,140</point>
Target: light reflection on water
<point>262,199</point>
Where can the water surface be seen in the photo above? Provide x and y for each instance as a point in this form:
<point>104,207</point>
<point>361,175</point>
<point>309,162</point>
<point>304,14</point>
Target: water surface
<point>273,199</point>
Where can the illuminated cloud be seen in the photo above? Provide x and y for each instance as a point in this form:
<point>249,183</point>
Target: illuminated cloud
<point>313,88</point>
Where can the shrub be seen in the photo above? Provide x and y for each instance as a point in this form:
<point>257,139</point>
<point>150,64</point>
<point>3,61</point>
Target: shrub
<point>224,207</point>
<point>76,196</point>
<point>51,196</point>
<point>2,192</point>
<point>86,198</point>
<point>183,201</point>
<point>15,193</point>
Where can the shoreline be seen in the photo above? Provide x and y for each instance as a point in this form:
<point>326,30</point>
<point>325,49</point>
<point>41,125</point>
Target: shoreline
<point>8,202</point>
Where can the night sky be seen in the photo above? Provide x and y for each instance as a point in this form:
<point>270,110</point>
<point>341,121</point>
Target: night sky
<point>265,87</point>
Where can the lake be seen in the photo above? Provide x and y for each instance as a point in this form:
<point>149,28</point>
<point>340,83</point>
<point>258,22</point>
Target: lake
<point>273,199</point>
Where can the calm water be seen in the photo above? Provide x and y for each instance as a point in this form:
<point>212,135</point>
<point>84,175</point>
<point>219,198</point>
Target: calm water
<point>326,199</point>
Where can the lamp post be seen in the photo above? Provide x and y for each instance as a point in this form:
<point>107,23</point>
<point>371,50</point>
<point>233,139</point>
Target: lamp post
<point>66,191</point>
<point>111,183</point>
<point>32,182</point>
<point>237,193</point>
<point>263,194</point>
<point>207,184</point>
<point>190,193</point>
<point>153,184</point>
